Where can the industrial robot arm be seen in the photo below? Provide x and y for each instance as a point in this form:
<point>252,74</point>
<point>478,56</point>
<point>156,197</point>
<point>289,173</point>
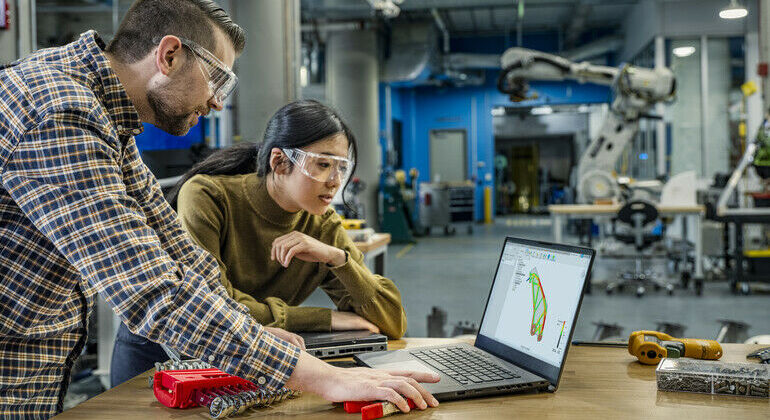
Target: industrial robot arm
<point>636,90</point>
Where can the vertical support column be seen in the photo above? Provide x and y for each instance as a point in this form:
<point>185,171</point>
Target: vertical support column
<point>754,102</point>
<point>269,66</point>
<point>704,101</point>
<point>352,76</point>
<point>115,17</point>
<point>660,109</point>
<point>390,157</point>
<point>26,27</point>
<point>8,37</point>
<point>764,43</point>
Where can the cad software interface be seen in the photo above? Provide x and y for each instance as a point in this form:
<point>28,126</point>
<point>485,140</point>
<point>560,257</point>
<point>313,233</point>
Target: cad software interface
<point>534,299</point>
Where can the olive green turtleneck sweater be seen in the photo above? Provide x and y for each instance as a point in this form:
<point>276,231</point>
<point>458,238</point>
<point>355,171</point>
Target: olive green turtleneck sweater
<point>236,220</point>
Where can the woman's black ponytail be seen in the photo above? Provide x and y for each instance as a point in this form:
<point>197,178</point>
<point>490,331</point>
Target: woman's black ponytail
<point>234,160</point>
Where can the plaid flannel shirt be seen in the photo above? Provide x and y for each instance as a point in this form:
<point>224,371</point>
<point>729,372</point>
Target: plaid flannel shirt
<point>80,214</point>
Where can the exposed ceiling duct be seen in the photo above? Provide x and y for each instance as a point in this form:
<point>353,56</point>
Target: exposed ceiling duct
<point>418,52</point>
<point>416,59</point>
<point>594,49</point>
<point>460,61</point>
<point>413,53</point>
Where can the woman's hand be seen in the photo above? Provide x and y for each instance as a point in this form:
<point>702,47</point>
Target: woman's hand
<point>297,244</point>
<point>361,384</point>
<point>287,336</point>
<point>345,321</point>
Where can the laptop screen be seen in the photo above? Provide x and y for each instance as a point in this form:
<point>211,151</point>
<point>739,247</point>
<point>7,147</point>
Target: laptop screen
<point>533,304</point>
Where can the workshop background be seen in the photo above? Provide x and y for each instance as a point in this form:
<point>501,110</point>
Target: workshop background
<point>449,165</point>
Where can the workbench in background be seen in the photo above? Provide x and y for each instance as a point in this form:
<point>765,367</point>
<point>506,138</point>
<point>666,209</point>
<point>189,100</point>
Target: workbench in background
<point>561,213</point>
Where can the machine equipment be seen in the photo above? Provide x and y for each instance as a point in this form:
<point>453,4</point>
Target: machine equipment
<point>650,347</point>
<point>446,205</point>
<point>725,212</point>
<point>354,208</point>
<point>636,91</point>
<point>397,205</point>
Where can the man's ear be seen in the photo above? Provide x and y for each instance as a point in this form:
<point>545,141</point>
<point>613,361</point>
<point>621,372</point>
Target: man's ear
<point>169,55</point>
<point>279,163</point>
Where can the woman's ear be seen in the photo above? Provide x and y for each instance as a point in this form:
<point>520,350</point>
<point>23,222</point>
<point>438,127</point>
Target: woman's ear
<point>278,161</point>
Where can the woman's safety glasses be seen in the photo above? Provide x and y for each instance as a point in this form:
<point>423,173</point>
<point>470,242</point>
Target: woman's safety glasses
<point>221,79</point>
<point>322,168</point>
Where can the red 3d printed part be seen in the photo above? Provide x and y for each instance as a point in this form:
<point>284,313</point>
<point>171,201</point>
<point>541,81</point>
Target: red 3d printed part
<point>188,388</point>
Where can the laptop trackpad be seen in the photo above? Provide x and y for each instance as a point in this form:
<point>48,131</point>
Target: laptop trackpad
<point>412,365</point>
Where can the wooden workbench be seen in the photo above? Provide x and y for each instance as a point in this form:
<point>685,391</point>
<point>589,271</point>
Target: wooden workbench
<point>377,240</point>
<point>561,212</point>
<point>600,209</point>
<point>598,383</point>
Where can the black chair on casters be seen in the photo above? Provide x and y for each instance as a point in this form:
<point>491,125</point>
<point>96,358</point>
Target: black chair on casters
<point>638,214</point>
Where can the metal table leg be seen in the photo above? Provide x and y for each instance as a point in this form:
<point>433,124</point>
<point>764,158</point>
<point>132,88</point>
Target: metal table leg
<point>557,221</point>
<point>698,218</point>
<point>738,251</point>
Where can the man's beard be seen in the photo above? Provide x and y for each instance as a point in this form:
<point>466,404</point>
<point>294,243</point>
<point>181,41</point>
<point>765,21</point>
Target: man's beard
<point>167,118</point>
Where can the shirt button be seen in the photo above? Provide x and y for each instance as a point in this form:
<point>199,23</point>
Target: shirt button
<point>120,127</point>
<point>137,131</point>
<point>211,358</point>
<point>261,380</point>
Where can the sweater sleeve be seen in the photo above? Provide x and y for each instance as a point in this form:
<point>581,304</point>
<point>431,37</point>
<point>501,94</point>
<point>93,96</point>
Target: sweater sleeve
<point>200,207</point>
<point>352,287</point>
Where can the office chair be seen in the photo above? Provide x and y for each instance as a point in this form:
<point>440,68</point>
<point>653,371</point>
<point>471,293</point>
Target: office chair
<point>637,214</point>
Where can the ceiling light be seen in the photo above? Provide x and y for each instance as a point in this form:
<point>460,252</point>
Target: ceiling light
<point>733,11</point>
<point>684,51</point>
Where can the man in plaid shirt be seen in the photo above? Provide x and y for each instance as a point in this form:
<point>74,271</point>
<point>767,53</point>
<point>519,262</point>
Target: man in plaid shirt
<point>80,214</point>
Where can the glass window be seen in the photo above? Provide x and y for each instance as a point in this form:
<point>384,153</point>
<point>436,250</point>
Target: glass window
<point>684,113</point>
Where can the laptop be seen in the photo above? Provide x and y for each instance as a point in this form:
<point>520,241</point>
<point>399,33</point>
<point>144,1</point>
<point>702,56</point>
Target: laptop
<point>525,331</point>
<point>343,343</point>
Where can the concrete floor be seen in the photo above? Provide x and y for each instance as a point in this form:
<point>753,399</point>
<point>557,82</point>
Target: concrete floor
<point>455,274</point>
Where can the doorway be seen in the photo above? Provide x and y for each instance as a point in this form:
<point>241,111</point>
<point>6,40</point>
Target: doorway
<point>448,156</point>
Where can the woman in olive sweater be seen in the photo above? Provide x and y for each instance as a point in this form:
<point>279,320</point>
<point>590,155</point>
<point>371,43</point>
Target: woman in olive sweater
<point>263,212</point>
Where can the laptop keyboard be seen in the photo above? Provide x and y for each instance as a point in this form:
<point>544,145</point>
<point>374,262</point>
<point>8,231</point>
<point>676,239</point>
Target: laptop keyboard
<point>462,365</point>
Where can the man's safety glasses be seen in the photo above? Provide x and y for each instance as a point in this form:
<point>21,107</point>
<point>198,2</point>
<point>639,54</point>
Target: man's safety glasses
<point>322,168</point>
<point>221,78</point>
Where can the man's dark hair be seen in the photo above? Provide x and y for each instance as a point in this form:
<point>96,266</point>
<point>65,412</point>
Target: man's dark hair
<point>149,20</point>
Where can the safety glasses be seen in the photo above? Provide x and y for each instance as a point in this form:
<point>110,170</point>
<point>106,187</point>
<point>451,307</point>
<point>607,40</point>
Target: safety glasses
<point>322,168</point>
<point>221,78</point>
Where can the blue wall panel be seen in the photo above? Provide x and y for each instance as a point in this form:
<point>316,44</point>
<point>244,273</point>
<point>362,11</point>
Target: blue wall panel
<point>423,109</point>
<point>153,138</point>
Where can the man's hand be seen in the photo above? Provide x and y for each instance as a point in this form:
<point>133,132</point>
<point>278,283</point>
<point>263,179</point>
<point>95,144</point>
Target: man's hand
<point>297,244</point>
<point>361,384</point>
<point>345,321</point>
<point>287,336</point>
